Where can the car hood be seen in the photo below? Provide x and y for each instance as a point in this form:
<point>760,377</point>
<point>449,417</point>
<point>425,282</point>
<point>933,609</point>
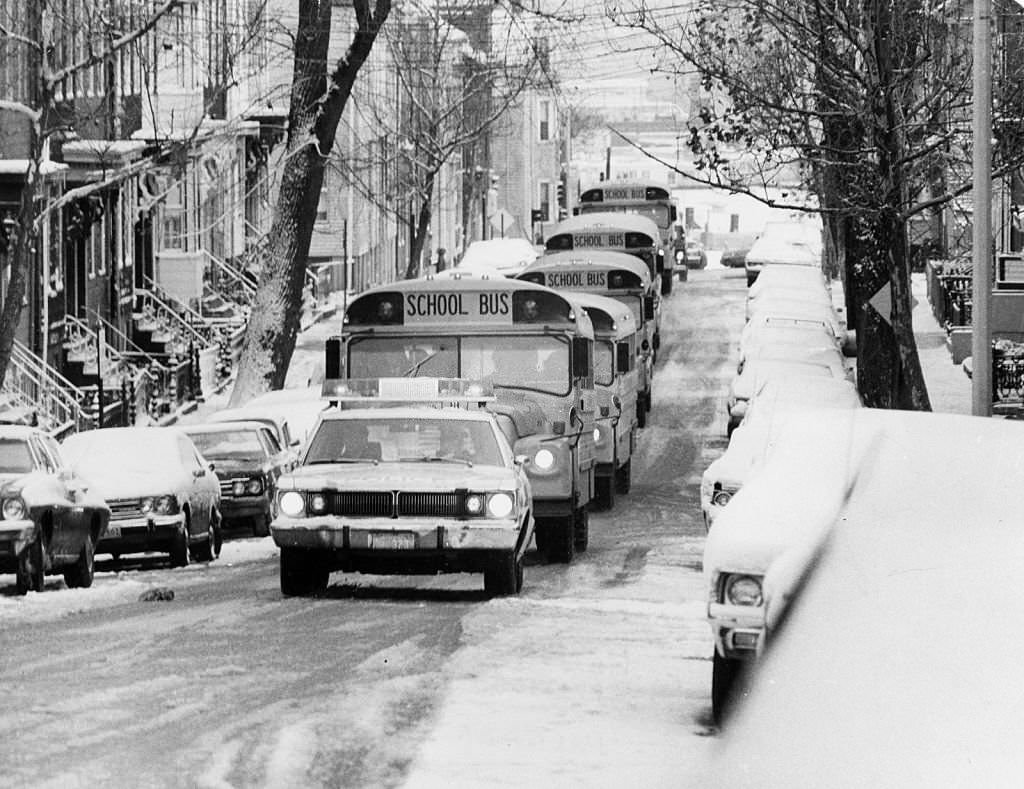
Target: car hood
<point>235,467</point>
<point>398,476</point>
<point>125,484</point>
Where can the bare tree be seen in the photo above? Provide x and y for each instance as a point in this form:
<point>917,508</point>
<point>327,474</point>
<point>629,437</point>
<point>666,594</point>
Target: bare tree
<point>450,95</point>
<point>318,99</point>
<point>867,101</point>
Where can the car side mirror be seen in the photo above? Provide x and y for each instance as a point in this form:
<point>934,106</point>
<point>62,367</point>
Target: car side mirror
<point>617,401</point>
<point>198,473</point>
<point>521,460</point>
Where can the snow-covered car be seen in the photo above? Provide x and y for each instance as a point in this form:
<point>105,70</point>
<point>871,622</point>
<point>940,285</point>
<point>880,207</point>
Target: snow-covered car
<point>769,332</point>
<point>789,502</point>
<point>779,362</point>
<point>163,495</point>
<point>782,274</point>
<point>778,296</point>
<point>248,462</point>
<point>50,518</point>
<point>504,256</point>
<point>789,243</point>
<point>894,665</point>
<point>696,257</point>
<point>404,490</point>
<point>773,312</point>
<point>777,401</point>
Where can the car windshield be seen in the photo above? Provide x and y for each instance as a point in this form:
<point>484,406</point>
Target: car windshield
<point>148,451</point>
<point>390,440</point>
<point>538,363</point>
<point>15,457</point>
<point>228,444</point>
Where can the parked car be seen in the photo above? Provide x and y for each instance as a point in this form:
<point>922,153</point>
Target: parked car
<point>734,258</point>
<point>272,417</point>
<point>894,666</point>
<point>504,256</point>
<point>50,518</point>
<point>248,461</point>
<point>696,257</point>
<point>784,242</point>
<point>163,495</point>
<point>776,402</point>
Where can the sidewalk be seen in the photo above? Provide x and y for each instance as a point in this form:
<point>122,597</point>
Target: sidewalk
<point>948,385</point>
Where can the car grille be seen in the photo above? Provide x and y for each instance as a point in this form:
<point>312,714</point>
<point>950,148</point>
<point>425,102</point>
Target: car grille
<point>227,485</point>
<point>396,504</point>
<point>123,509</point>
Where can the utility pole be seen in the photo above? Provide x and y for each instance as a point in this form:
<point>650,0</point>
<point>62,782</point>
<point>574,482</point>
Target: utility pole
<point>981,285</point>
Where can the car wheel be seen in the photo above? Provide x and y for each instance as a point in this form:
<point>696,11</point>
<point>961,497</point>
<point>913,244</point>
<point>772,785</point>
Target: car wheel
<point>641,412</point>
<point>261,525</point>
<point>559,538</point>
<point>206,550</point>
<point>31,572</point>
<point>504,576</point>
<point>726,679</point>
<point>303,573</point>
<point>179,548</point>
<point>581,529</point>
<point>80,574</point>
<point>218,535</point>
<point>682,272</point>
<point>666,283</point>
<point>624,477</point>
<point>604,493</point>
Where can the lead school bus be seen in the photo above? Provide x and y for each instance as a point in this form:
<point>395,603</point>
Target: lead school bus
<point>617,276</point>
<point>535,346</point>
<point>651,200</point>
<point>616,378</point>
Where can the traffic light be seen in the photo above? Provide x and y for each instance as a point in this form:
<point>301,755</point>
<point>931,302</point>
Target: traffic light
<point>561,194</point>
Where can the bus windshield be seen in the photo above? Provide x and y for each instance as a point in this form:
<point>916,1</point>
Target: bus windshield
<point>635,303</point>
<point>659,213</point>
<point>604,354</point>
<point>530,362</point>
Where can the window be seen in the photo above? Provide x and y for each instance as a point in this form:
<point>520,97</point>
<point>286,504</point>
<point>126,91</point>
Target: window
<point>545,201</point>
<point>321,206</point>
<point>734,223</point>
<point>689,219</point>
<point>545,120</point>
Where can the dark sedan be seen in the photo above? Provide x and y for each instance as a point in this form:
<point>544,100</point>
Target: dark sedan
<point>734,258</point>
<point>49,519</point>
<point>248,460</point>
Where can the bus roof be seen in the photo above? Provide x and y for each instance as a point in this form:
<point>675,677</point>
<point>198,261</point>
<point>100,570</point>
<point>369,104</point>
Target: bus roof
<point>609,316</point>
<point>627,190</point>
<point>603,220</point>
<point>597,258</point>
<point>448,304</point>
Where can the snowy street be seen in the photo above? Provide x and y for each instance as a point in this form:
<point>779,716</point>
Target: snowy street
<point>597,675</point>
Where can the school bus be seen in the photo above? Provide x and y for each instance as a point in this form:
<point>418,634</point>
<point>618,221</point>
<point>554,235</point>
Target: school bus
<point>651,200</point>
<point>535,346</point>
<point>616,376</point>
<point>618,276</point>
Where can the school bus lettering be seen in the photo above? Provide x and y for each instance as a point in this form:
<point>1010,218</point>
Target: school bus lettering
<point>599,240</point>
<point>625,193</point>
<point>464,307</point>
<point>575,280</point>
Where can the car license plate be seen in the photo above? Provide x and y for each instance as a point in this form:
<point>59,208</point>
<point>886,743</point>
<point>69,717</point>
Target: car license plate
<point>113,531</point>
<point>393,540</point>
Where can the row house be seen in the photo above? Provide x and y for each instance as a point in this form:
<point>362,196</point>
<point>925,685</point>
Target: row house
<point>156,188</point>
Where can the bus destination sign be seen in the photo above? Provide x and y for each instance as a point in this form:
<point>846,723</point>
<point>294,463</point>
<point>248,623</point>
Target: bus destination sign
<point>575,280</point>
<point>598,240</point>
<point>440,308</point>
<point>625,193</point>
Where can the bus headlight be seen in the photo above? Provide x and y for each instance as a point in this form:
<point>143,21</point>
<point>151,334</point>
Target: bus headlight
<point>14,509</point>
<point>544,459</point>
<point>292,503</point>
<point>743,590</point>
<point>500,505</point>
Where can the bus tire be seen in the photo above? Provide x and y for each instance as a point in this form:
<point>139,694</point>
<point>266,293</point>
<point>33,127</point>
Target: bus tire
<point>581,529</point>
<point>559,538</point>
<point>624,477</point>
<point>604,493</point>
<point>666,283</point>
<point>641,412</point>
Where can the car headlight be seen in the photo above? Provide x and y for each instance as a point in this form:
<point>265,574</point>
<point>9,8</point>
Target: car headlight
<point>474,504</point>
<point>254,487</point>
<point>743,590</point>
<point>165,505</point>
<point>318,504</point>
<point>500,505</point>
<point>14,509</point>
<point>544,459</point>
<point>238,487</point>
<point>292,503</point>
<point>146,505</point>
<point>722,496</point>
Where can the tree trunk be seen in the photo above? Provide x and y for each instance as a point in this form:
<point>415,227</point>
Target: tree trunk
<point>420,231</point>
<point>316,107</point>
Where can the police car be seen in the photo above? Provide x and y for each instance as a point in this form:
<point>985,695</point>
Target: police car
<point>405,477</point>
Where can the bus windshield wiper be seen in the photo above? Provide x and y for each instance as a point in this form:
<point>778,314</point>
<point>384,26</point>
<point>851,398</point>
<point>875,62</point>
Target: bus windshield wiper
<point>436,459</point>
<point>416,367</point>
<point>328,461</point>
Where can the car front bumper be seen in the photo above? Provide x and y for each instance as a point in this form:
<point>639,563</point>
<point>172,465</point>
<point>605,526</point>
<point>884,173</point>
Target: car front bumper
<point>243,506</point>
<point>387,534</point>
<point>135,535</point>
<point>738,630</point>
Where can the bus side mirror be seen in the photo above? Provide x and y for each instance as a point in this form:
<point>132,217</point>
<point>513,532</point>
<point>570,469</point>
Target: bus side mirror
<point>673,214</point>
<point>648,308</point>
<point>622,357</point>
<point>580,357</point>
